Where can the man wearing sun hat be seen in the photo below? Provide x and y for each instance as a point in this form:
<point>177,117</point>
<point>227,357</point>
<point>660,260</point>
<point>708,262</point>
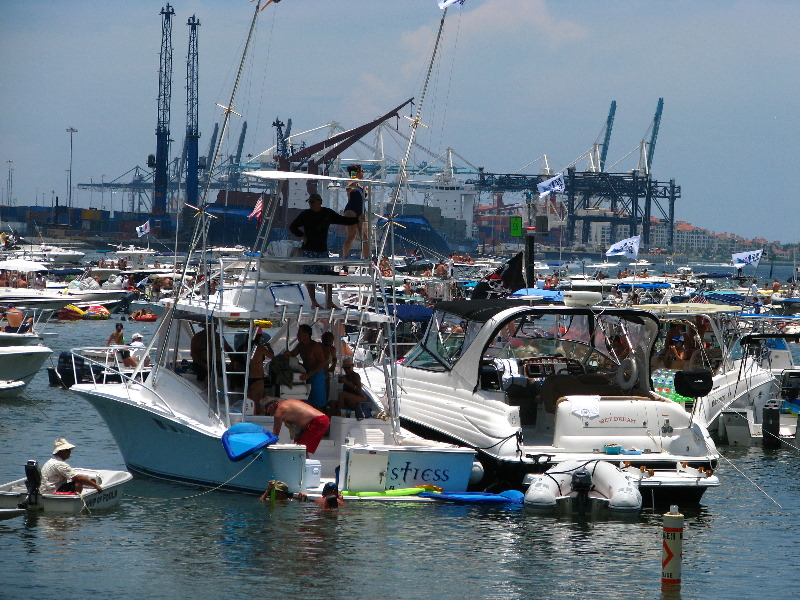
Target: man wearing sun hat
<point>58,476</point>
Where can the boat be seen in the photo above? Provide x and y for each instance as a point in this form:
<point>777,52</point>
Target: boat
<point>24,492</point>
<point>171,424</point>
<point>768,420</point>
<point>533,386</point>
<point>51,254</point>
<point>711,335</point>
<point>20,364</point>
<point>580,486</point>
<point>11,513</point>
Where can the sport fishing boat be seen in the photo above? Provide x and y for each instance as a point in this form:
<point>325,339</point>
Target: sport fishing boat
<point>530,387</point>
<point>171,425</point>
<point>179,422</point>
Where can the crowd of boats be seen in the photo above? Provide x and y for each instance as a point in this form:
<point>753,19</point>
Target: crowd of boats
<point>589,400</point>
<point>575,391</point>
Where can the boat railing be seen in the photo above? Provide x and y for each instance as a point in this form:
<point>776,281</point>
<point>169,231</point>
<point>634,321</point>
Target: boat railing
<point>113,367</point>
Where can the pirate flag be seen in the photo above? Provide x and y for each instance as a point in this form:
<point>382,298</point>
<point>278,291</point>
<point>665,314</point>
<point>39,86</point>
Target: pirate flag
<point>505,280</point>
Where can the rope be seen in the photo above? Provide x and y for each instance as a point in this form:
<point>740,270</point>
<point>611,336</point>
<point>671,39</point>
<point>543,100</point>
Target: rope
<point>759,488</point>
<point>214,489</point>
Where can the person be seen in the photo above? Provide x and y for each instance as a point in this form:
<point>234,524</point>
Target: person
<point>278,490</point>
<point>754,290</point>
<point>17,323</point>
<point>312,423</point>
<point>255,378</point>
<point>313,358</point>
<point>328,351</point>
<point>385,267</point>
<point>117,337</point>
<point>137,342</point>
<point>59,476</point>
<point>331,497</point>
<point>354,208</point>
<point>674,355</point>
<point>198,349</point>
<point>441,270</point>
<point>352,394</point>
<point>776,287</point>
<point>312,226</point>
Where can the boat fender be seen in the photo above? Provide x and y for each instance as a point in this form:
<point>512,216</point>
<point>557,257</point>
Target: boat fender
<point>627,374</point>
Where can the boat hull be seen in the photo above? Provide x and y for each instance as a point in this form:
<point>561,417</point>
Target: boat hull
<point>154,444</point>
<point>21,363</point>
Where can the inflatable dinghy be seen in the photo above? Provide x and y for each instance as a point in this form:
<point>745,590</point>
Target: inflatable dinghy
<point>577,482</point>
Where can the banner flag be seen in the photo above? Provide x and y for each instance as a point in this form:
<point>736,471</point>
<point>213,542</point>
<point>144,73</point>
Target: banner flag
<point>628,247</point>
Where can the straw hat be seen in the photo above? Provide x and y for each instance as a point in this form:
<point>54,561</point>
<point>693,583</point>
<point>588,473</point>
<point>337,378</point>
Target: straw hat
<point>62,444</point>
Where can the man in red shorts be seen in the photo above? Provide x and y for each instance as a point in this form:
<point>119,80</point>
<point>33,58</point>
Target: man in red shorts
<point>312,423</point>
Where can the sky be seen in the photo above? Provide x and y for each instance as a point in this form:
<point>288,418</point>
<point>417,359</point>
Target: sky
<point>515,80</point>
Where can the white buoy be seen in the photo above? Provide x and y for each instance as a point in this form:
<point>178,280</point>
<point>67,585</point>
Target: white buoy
<point>672,547</point>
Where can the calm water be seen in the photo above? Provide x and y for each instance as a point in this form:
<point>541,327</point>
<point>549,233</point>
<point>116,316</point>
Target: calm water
<point>166,540</point>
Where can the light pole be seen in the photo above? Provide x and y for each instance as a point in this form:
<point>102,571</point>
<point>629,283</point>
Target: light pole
<point>70,131</point>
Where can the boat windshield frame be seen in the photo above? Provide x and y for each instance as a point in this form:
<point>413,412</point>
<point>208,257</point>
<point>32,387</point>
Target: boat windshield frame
<point>585,334</point>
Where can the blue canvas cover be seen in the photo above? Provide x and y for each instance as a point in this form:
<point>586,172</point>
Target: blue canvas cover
<point>242,439</point>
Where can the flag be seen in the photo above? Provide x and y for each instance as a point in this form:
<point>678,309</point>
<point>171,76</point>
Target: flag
<point>699,299</point>
<point>257,210</point>
<point>445,3</point>
<point>628,247</point>
<point>741,259</point>
<point>143,229</point>
<point>505,280</point>
<point>551,186</point>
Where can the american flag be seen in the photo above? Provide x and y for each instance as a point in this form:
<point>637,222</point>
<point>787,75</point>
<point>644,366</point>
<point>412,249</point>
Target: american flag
<point>257,210</point>
<point>699,298</point>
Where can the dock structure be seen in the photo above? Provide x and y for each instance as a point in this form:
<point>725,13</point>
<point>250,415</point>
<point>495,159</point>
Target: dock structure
<point>633,199</point>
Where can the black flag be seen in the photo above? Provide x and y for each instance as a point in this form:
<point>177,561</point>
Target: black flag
<point>506,279</point>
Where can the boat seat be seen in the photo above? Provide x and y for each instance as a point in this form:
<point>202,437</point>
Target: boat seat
<point>556,387</point>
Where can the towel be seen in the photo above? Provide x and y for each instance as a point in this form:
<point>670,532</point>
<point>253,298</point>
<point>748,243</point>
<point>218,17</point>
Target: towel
<point>509,369</point>
<point>585,406</point>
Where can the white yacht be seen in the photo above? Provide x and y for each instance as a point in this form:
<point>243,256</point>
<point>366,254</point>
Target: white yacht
<point>533,386</point>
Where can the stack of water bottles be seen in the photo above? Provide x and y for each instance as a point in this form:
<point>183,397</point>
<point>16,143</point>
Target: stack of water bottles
<point>664,384</point>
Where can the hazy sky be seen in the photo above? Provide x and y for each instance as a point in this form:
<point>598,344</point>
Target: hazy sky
<point>517,79</point>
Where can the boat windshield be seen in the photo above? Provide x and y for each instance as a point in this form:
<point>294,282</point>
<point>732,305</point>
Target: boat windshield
<point>598,341</point>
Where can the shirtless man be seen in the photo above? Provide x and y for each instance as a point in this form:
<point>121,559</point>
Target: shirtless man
<point>312,423</point>
<point>15,316</point>
<point>313,362</point>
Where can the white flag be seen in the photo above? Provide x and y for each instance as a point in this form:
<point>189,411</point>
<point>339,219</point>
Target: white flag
<point>551,186</point>
<point>628,247</point>
<point>143,229</point>
<point>741,259</point>
<point>445,3</point>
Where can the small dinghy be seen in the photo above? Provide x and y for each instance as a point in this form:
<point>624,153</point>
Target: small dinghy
<point>573,484</point>
<point>24,493</point>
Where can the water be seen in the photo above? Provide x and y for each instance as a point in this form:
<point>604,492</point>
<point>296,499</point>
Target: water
<point>168,540</point>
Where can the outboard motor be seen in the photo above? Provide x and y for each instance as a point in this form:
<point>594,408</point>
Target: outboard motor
<point>582,484</point>
<point>33,479</point>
